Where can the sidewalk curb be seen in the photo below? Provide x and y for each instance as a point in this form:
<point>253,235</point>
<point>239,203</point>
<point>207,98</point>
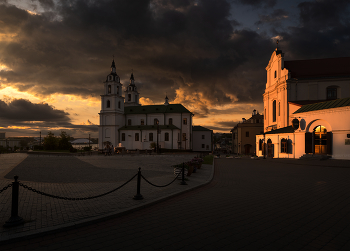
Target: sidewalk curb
<point>98,219</point>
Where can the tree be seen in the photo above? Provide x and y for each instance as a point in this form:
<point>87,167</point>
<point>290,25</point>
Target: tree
<point>50,142</point>
<point>64,141</point>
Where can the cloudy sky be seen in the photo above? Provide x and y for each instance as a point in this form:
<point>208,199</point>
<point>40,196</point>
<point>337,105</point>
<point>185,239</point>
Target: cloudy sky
<point>209,55</point>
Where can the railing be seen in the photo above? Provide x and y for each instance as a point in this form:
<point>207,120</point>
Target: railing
<point>16,220</point>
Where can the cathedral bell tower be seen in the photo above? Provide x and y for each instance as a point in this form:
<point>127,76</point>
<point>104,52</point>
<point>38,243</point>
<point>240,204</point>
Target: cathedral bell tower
<point>131,94</point>
<point>112,110</point>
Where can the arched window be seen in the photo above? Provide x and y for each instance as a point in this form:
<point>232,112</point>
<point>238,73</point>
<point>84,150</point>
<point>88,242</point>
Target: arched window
<point>109,88</point>
<point>119,104</point>
<point>108,103</point>
<point>275,74</point>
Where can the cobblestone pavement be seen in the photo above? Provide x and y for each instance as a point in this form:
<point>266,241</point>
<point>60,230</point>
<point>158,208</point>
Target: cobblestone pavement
<point>84,176</point>
<point>249,205</point>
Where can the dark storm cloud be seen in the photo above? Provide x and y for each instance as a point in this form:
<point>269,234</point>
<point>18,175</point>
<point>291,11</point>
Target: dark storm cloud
<point>258,3</point>
<point>177,42</point>
<point>323,31</point>
<point>23,113</point>
<point>275,17</point>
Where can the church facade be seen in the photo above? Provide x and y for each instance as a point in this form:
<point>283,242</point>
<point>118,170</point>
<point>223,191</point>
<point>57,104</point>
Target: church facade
<point>125,122</point>
<point>314,95</point>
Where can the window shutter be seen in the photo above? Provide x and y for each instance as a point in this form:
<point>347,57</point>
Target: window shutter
<point>308,142</point>
<point>329,143</point>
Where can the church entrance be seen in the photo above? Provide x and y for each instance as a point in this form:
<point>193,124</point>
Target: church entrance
<point>320,140</point>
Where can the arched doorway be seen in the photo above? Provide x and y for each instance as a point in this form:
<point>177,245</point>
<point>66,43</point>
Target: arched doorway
<point>269,148</point>
<point>320,140</point>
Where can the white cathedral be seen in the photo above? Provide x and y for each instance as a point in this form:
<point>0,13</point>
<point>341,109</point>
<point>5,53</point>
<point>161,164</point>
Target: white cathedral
<point>124,122</point>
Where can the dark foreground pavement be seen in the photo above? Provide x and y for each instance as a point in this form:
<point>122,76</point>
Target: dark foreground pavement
<point>249,205</point>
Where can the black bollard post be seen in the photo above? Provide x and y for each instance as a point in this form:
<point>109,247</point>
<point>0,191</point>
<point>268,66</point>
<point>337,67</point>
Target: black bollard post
<point>14,220</point>
<point>183,182</point>
<point>138,196</point>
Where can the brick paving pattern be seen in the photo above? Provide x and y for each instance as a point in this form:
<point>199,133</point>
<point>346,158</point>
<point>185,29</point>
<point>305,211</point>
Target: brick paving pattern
<point>249,205</point>
<point>93,175</point>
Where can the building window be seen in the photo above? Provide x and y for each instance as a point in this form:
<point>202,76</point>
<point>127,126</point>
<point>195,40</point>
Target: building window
<point>203,137</point>
<point>155,121</point>
<point>142,122</point>
<point>166,136</point>
<point>184,137</point>
<point>257,121</point>
<point>274,111</point>
<point>203,145</point>
<point>185,121</point>
<point>129,97</point>
<point>117,89</point>
<point>129,122</point>
<point>275,74</point>
<point>207,147</point>
<point>279,108</point>
<point>109,88</point>
<point>119,104</point>
<point>284,146</point>
<point>247,134</point>
<point>332,92</point>
<point>135,98</point>
<point>233,136</point>
<point>123,136</point>
<point>108,103</point>
<point>170,121</point>
<point>150,136</point>
<point>137,136</point>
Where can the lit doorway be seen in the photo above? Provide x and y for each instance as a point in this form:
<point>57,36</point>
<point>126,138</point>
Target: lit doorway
<point>320,140</point>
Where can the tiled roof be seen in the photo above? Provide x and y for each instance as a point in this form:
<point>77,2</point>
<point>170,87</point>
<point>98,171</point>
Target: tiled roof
<point>147,127</point>
<point>287,129</point>
<point>146,109</point>
<point>305,102</point>
<point>319,68</point>
<point>200,128</point>
<point>324,105</point>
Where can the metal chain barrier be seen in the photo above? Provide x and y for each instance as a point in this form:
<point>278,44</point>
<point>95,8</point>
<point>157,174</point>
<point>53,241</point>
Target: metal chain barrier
<point>164,185</point>
<point>5,188</point>
<point>67,198</point>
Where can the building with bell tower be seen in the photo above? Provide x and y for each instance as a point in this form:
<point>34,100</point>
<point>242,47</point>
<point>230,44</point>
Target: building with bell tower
<point>112,110</point>
<point>131,94</point>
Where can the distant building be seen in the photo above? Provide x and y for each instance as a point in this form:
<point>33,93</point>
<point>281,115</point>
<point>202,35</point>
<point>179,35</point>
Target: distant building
<point>314,95</point>
<point>202,139</point>
<point>8,142</point>
<point>125,123</point>
<point>243,134</point>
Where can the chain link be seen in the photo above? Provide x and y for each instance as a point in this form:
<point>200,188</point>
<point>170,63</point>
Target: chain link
<point>5,188</point>
<point>68,198</point>
<point>164,185</point>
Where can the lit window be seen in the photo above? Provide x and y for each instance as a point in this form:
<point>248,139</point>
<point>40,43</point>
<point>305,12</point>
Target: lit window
<point>184,137</point>
<point>185,121</point>
<point>155,121</point>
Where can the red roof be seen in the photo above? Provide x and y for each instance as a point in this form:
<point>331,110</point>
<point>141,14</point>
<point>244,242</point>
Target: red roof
<point>325,67</point>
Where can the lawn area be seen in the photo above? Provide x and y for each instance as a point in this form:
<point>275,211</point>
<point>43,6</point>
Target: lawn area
<point>208,159</point>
